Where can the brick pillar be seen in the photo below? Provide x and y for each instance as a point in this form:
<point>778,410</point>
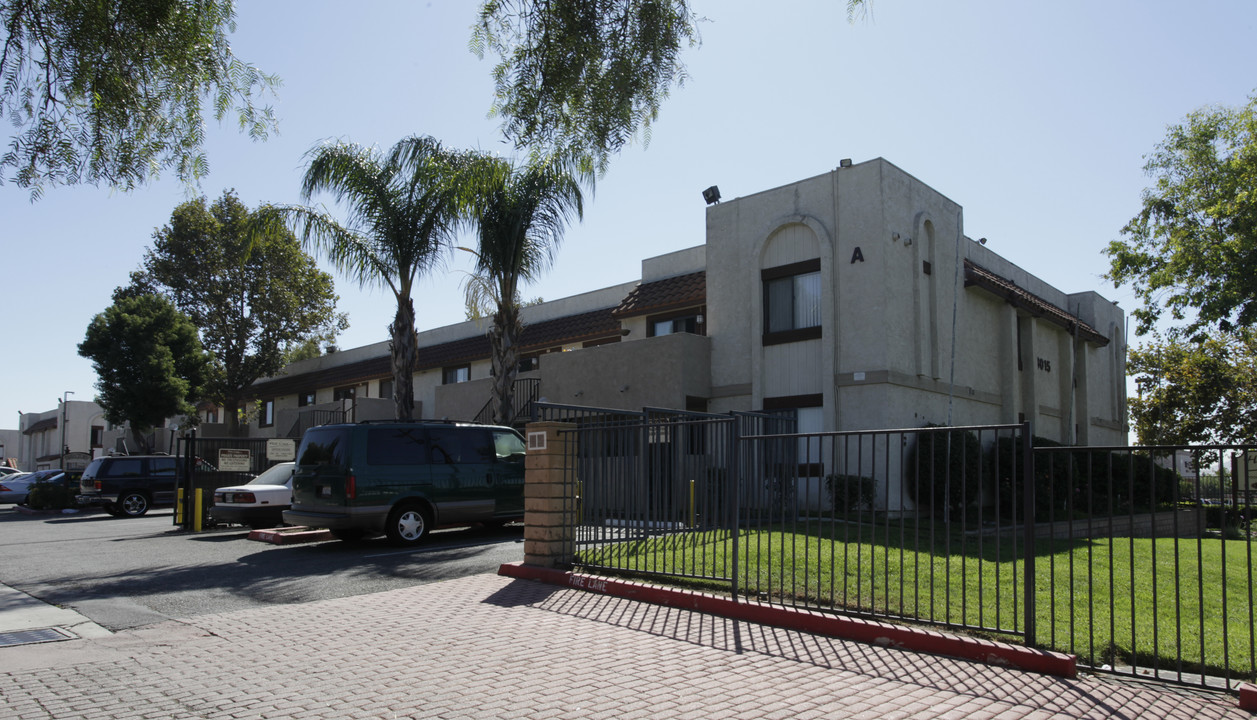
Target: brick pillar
<point>549,512</point>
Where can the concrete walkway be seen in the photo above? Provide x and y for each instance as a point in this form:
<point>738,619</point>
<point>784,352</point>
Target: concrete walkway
<point>493,647</point>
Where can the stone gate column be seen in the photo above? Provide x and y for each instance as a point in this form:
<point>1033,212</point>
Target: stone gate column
<point>549,495</point>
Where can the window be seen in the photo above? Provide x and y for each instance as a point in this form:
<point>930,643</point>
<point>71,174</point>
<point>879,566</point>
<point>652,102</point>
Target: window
<point>792,302</point>
<point>162,466</point>
<point>458,374</point>
<point>456,446</point>
<point>397,446</point>
<point>305,398</point>
<point>211,416</point>
<point>266,413</point>
<point>507,445</point>
<point>528,363</point>
<point>809,415</point>
<point>386,388</point>
<point>345,393</point>
<point>98,436</point>
<point>127,467</point>
<point>685,321</point>
<point>324,446</point>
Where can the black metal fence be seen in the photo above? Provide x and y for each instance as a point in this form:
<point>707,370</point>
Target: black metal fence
<point>207,464</point>
<point>1150,559</point>
<point>1118,555</point>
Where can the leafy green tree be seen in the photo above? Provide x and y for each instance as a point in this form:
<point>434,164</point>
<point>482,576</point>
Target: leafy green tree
<point>1196,392</point>
<point>520,214</point>
<point>149,363</point>
<point>583,77</point>
<point>1192,249</point>
<point>256,299</point>
<point>403,208</point>
<point>111,92</point>
<point>583,74</point>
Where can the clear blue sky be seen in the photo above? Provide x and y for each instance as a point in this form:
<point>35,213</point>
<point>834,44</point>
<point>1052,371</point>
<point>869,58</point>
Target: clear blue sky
<point>1035,117</point>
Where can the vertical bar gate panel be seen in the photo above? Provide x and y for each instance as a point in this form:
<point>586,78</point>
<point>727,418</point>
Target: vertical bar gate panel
<point>1151,562</point>
<point>903,524</point>
<point>1137,560</point>
<point>652,497</point>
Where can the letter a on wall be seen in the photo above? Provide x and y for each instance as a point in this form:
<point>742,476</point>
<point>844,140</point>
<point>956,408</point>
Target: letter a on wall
<point>857,256</point>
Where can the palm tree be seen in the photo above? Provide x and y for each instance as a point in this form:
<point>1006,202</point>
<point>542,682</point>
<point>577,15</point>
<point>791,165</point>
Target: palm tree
<point>520,214</point>
<point>403,209</point>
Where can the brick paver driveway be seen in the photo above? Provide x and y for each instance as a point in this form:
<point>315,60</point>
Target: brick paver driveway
<point>492,647</point>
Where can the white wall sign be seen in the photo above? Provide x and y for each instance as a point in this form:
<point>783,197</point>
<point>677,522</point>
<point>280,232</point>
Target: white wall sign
<point>281,449</point>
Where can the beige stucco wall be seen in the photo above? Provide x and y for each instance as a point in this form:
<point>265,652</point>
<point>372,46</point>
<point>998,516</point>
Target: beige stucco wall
<point>656,372</point>
<point>887,327</point>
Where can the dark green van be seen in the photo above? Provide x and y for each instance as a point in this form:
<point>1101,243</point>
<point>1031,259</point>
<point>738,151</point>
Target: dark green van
<point>404,478</point>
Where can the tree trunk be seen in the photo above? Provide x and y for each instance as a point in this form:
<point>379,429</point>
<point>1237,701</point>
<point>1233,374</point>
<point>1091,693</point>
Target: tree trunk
<point>231,414</point>
<point>139,443</point>
<point>504,342</point>
<point>404,348</point>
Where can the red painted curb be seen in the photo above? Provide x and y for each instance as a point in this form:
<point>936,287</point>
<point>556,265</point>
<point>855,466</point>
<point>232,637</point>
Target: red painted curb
<point>876,633</point>
<point>289,536</point>
<point>1248,697</point>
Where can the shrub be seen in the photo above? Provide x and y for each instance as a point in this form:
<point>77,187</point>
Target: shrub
<point>49,496</point>
<point>851,492</point>
<point>1122,481</point>
<point>948,466</point>
<point>1054,473</point>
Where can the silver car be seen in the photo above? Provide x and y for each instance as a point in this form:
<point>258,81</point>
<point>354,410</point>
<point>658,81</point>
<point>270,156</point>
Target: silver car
<point>15,486</point>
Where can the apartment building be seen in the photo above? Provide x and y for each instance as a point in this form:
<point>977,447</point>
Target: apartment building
<point>833,296</point>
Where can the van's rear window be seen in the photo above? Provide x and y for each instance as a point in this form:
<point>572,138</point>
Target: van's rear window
<point>324,447</point>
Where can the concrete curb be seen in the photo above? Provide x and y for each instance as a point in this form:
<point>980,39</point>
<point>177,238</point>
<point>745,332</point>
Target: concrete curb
<point>1248,697</point>
<point>24,510</point>
<point>290,535</point>
<point>868,631</point>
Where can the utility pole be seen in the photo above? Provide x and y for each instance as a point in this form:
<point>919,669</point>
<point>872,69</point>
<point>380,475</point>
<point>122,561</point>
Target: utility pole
<point>65,398</point>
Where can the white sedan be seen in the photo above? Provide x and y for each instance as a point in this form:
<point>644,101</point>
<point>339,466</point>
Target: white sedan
<point>260,503</point>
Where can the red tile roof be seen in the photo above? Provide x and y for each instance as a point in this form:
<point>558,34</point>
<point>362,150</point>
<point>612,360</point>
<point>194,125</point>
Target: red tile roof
<point>45,424</point>
<point>573,328</point>
<point>671,293</point>
<point>978,276</point>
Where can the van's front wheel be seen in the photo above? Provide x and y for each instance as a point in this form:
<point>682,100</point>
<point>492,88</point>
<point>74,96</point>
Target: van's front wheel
<point>408,525</point>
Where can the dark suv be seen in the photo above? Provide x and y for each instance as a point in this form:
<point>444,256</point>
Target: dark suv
<point>404,478</point>
<point>128,485</point>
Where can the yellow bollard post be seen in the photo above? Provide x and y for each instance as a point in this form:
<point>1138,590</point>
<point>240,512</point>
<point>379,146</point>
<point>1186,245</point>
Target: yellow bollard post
<point>196,509</point>
<point>693,522</point>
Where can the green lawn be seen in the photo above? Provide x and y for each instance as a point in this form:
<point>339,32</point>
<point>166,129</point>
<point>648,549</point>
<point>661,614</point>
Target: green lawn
<point>1106,601</point>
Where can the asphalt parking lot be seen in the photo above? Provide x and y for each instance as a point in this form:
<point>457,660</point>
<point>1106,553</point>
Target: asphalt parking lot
<point>129,572</point>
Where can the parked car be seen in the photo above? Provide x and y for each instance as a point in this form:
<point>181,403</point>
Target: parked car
<point>260,503</point>
<point>7,470</point>
<point>403,479</point>
<point>14,487</point>
<point>19,484</point>
<point>128,485</point>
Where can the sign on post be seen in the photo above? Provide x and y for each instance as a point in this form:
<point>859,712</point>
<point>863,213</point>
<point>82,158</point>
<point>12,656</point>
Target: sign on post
<point>1252,471</point>
<point>234,460</point>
